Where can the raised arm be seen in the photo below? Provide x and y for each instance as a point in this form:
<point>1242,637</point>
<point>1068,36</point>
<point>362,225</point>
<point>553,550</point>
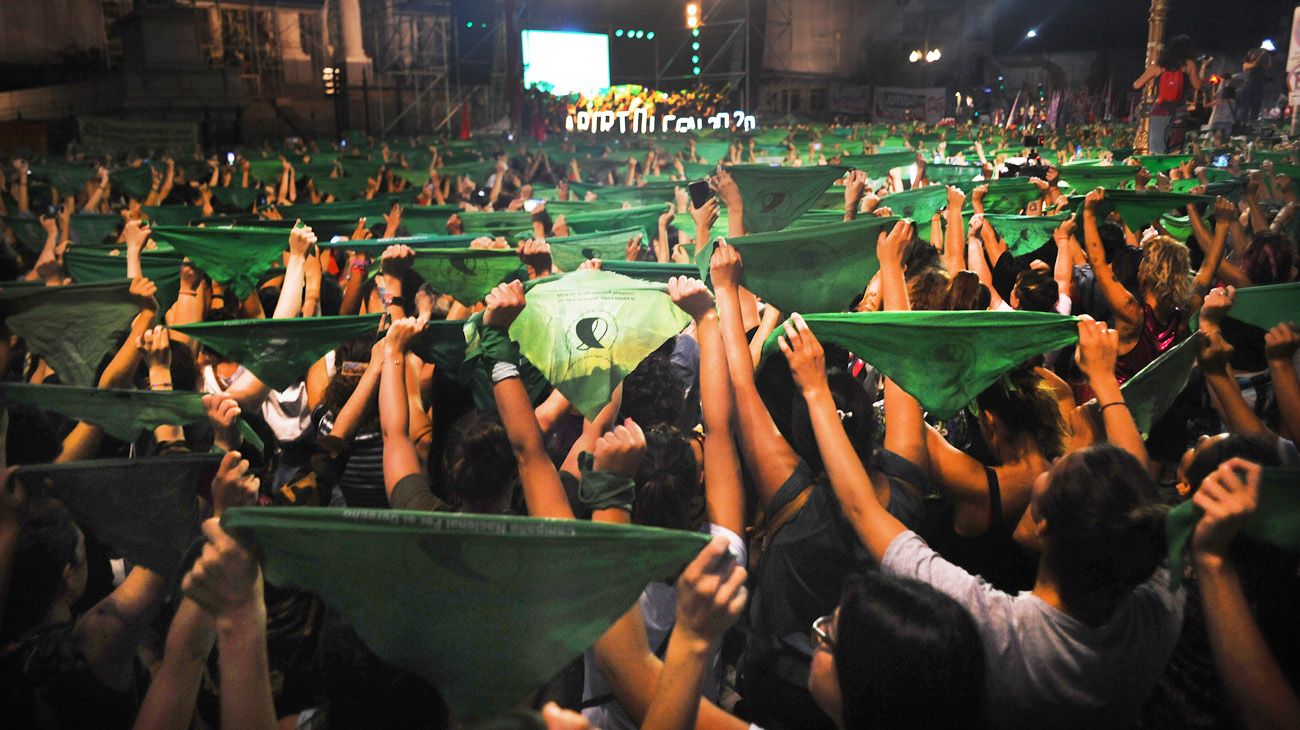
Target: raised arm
<point>767,454</point>
<point>906,433</point>
<point>543,491</point>
<point>954,237</point>
<point>227,583</point>
<point>724,492</point>
<point>1223,212</point>
<point>1257,690</point>
<point>1280,347</point>
<point>875,527</point>
<point>710,596</point>
<point>1095,355</point>
<point>1128,313</point>
<point>400,456</point>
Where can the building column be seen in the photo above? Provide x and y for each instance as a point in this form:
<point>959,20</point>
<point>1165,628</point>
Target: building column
<point>297,64</point>
<point>354,50</point>
<point>214,33</point>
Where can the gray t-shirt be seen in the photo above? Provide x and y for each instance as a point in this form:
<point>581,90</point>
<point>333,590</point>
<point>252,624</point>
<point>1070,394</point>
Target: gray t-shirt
<point>1045,668</point>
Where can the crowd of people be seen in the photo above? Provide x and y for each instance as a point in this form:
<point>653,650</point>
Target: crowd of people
<point>873,562</point>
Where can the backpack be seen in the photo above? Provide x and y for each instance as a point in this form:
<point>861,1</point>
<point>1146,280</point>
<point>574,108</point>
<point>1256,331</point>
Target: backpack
<point>1170,87</point>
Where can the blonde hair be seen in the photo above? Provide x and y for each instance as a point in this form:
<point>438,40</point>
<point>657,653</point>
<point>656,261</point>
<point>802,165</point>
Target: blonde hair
<point>1166,272</point>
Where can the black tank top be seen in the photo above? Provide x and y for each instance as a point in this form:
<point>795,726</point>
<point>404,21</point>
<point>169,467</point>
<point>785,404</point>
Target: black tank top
<point>993,555</point>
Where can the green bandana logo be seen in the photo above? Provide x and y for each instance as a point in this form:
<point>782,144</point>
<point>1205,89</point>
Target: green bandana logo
<point>773,201</point>
<point>591,331</point>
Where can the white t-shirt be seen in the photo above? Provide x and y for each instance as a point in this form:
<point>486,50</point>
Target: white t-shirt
<point>659,611</point>
<point>1046,668</point>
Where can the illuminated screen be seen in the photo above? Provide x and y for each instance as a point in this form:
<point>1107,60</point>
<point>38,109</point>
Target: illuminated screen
<point>566,62</point>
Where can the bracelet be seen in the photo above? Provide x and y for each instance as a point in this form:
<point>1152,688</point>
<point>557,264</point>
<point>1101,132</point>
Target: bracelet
<point>504,371</point>
<point>1112,403</point>
<point>160,386</point>
<point>189,292</point>
<point>395,301</point>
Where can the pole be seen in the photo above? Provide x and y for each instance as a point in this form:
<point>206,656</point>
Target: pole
<point>1155,42</point>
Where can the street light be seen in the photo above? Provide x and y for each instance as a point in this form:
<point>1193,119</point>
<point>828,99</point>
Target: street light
<point>1268,45</point>
<point>932,56</point>
<point>914,56</point>
<point>692,15</point>
<point>1032,33</point>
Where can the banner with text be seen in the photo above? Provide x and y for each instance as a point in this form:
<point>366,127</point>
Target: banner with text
<point>892,104</point>
<point>115,134</point>
<point>849,99</point>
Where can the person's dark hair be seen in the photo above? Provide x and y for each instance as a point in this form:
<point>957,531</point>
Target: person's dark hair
<point>331,297</point>
<point>1026,407</point>
<point>479,463</point>
<point>898,639</point>
<point>269,296</point>
<point>1036,291</point>
<point>1124,259</point>
<point>965,292</point>
<point>1105,530</point>
<point>668,489</point>
<point>1177,51</point>
<point>1269,259</point>
<point>1241,445</point>
<point>47,543</point>
<point>653,394</point>
<point>927,290</point>
<point>920,255</point>
<point>32,437</point>
<point>342,384</point>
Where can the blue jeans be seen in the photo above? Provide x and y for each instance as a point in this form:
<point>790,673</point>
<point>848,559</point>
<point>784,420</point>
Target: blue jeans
<point>1156,131</point>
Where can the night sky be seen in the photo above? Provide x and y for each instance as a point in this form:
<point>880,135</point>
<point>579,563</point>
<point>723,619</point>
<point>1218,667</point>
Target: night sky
<point>1075,25</point>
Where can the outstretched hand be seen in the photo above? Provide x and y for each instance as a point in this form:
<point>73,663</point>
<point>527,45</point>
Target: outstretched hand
<point>504,303</point>
<point>690,295</point>
<point>804,353</point>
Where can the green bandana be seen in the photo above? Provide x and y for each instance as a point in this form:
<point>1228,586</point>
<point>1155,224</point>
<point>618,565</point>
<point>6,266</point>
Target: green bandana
<point>135,181</point>
<point>775,196</point>
<point>427,219</point>
<point>1140,207</point>
<point>145,509</point>
<point>376,246</point>
<point>93,228</point>
<point>172,215</point>
<point>28,231</point>
<point>467,274</point>
<point>1276,520</point>
<point>236,197</point>
<point>587,330</point>
<point>237,256</point>
<point>950,174</point>
<point>442,342</point>
<point>569,252</point>
<point>650,193</point>
<point>164,270</point>
<point>1156,164</point>
<point>72,327</point>
<point>496,223</point>
<point>614,219</point>
<point>812,269</point>
<point>879,165</point>
<point>1025,234</point>
<point>279,351</point>
<point>648,271</point>
<point>917,204</point>
<point>1006,195</point>
<point>1151,391</point>
<point>342,188</point>
<point>943,359</point>
<point>1083,178</point>
<point>602,489</point>
<point>1267,306</point>
<point>487,608</point>
<point>123,414</point>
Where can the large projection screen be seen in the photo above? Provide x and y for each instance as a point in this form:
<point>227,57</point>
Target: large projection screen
<point>567,62</point>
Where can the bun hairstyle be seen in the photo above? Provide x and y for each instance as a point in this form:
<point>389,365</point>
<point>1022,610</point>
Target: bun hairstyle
<point>668,489</point>
<point>478,462</point>
<point>1026,407</point>
<point>965,292</point>
<point>1105,531</point>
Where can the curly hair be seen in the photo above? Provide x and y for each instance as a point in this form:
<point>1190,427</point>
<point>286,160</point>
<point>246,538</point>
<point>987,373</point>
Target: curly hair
<point>1166,272</point>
